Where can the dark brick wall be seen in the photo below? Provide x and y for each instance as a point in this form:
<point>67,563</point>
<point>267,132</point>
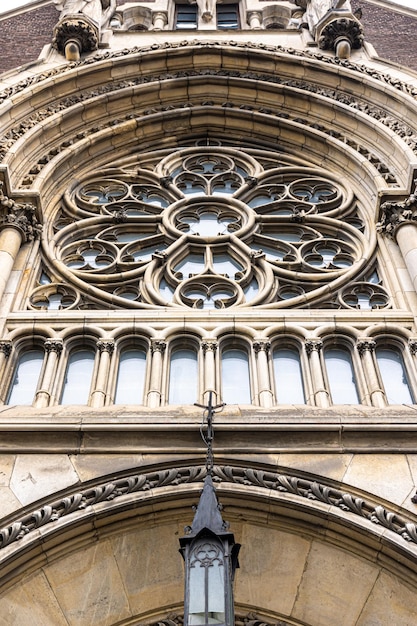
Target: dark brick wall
<point>23,37</point>
<point>394,36</point>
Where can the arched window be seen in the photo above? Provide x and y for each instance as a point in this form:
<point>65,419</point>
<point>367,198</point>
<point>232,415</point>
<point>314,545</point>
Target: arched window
<point>131,377</point>
<point>183,377</point>
<point>26,377</point>
<point>340,376</point>
<point>289,387</point>
<point>235,377</point>
<point>77,382</point>
<point>394,376</point>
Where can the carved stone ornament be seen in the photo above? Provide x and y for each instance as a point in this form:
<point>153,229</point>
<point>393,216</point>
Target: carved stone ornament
<point>364,345</point>
<point>6,347</point>
<point>260,345</point>
<point>54,345</point>
<point>158,345</point>
<point>394,214</point>
<point>338,30</point>
<point>251,619</point>
<point>299,488</point>
<point>77,29</point>
<point>105,345</point>
<point>412,346</point>
<point>20,216</point>
<point>209,345</point>
<point>313,345</point>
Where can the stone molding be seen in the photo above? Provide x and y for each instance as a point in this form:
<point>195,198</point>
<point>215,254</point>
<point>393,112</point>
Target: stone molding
<point>300,489</point>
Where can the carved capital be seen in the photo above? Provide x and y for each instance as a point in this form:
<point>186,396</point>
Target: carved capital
<point>105,345</point>
<point>165,181</point>
<point>365,344</point>
<point>6,347</point>
<point>77,29</point>
<point>412,346</point>
<point>346,29</point>
<point>261,345</point>
<point>313,345</point>
<point>209,345</point>
<point>158,345</point>
<point>19,216</point>
<point>394,214</point>
<point>53,345</point>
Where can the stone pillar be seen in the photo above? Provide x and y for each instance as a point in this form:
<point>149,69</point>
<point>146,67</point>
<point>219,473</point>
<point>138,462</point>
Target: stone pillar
<point>5,350</point>
<point>159,20</point>
<point>99,394</point>
<point>155,393</point>
<point>261,348</point>
<point>44,395</point>
<point>209,347</point>
<point>313,348</point>
<point>366,348</point>
<point>399,221</point>
<point>254,19</point>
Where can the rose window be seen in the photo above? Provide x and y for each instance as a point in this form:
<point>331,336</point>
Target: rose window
<point>209,228</point>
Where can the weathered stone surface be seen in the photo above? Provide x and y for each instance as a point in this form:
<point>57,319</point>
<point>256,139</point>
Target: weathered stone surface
<point>35,476</point>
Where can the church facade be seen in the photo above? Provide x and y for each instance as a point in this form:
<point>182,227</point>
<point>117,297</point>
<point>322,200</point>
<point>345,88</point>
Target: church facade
<point>208,202</point>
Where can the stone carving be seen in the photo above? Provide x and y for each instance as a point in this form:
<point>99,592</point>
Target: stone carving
<point>54,345</point>
<point>394,214</point>
<point>412,346</point>
<point>302,488</point>
<point>313,345</point>
<point>19,216</point>
<point>105,345</point>
<point>365,344</point>
<point>158,345</point>
<point>80,25</point>
<point>209,345</point>
<point>6,347</point>
<point>315,10</point>
<point>251,619</point>
<point>260,345</point>
<point>206,9</point>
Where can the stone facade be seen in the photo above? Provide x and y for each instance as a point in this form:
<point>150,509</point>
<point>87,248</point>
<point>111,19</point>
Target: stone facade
<point>225,209</point>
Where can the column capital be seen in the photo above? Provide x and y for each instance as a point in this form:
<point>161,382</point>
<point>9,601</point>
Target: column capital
<point>209,345</point>
<point>105,345</point>
<point>397,213</point>
<point>158,345</point>
<point>22,217</point>
<point>313,345</point>
<point>6,347</point>
<point>365,344</point>
<point>261,345</point>
<point>412,345</point>
<point>53,345</point>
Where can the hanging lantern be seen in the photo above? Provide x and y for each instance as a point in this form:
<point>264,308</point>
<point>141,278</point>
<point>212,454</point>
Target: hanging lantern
<point>210,555</point>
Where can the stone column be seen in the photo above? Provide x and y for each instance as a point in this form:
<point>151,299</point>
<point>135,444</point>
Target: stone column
<point>154,394</point>
<point>209,347</point>
<point>313,348</point>
<point>399,221</point>
<point>99,394</point>
<point>159,20</point>
<point>366,348</point>
<point>261,348</point>
<point>53,349</point>
<point>18,224</point>
<point>254,19</point>
<point>5,350</point>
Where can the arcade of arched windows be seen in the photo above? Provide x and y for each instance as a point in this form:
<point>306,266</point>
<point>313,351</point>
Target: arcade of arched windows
<point>278,369</point>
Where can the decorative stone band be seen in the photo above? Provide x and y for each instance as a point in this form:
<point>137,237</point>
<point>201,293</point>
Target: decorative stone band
<point>300,488</point>
<point>251,619</point>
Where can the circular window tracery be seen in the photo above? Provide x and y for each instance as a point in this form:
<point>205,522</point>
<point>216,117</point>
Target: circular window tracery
<point>214,228</point>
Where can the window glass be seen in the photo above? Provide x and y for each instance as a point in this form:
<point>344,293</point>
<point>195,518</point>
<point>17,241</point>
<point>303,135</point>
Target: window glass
<point>235,377</point>
<point>394,377</point>
<point>78,377</point>
<point>186,17</point>
<point>183,377</point>
<point>26,377</point>
<point>288,378</point>
<point>131,377</point>
<point>341,376</point>
<point>227,16</point>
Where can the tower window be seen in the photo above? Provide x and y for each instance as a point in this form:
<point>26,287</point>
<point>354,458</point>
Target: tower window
<point>186,17</point>
<point>227,16</point>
